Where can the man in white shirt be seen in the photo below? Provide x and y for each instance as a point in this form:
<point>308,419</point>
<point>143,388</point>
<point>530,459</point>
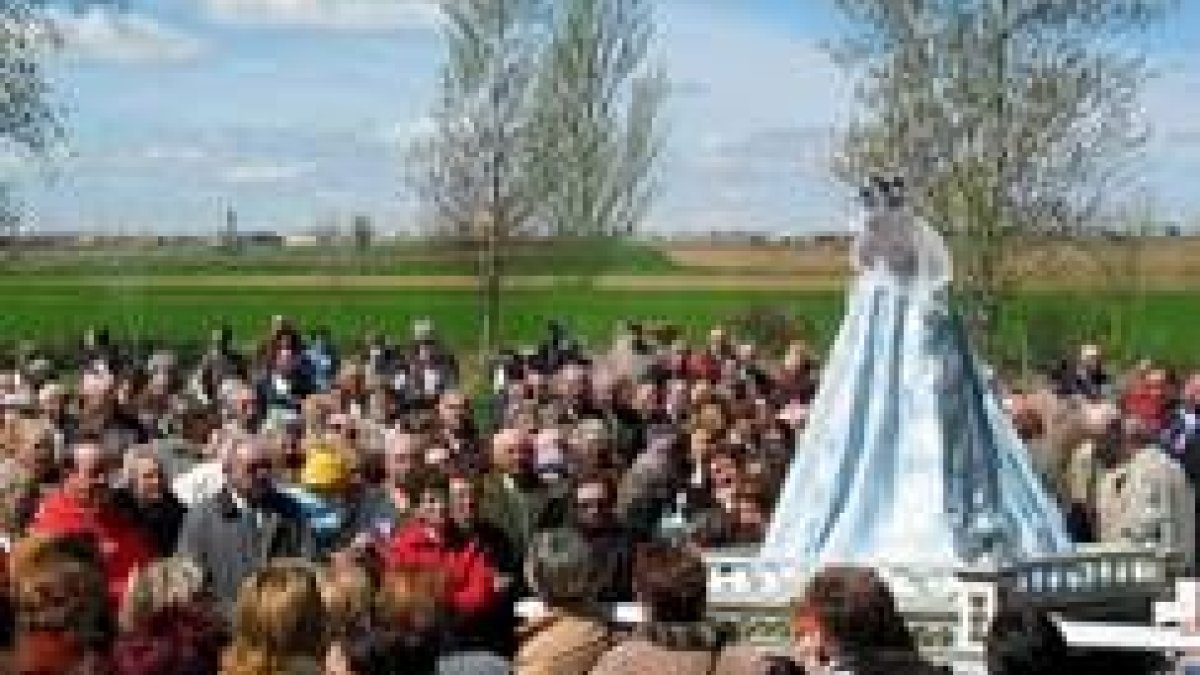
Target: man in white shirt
<point>1146,498</point>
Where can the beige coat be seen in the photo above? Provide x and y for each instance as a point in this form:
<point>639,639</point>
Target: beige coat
<point>640,657</point>
<point>1147,486</point>
<point>560,644</point>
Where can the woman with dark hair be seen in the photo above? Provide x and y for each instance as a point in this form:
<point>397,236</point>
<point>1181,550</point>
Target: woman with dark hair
<point>1024,641</point>
<point>569,637</point>
<point>671,585</point>
<point>847,621</point>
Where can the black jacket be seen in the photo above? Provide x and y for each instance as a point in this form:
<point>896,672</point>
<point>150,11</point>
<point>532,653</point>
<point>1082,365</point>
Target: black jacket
<point>160,521</point>
<point>612,552</point>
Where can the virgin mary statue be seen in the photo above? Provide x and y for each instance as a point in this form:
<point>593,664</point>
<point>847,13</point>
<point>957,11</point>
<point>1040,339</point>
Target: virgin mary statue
<point>908,457</point>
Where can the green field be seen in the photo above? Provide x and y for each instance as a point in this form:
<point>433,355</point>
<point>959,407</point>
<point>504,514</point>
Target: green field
<point>1159,324</point>
<point>183,314</point>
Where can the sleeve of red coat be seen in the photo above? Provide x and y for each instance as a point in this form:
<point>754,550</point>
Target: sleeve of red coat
<point>476,587</point>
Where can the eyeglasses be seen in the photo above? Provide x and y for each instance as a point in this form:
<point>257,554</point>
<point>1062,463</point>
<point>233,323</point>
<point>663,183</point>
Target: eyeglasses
<point>258,465</point>
<point>436,500</point>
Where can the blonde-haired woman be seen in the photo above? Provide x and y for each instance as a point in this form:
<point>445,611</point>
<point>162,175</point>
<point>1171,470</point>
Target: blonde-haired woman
<point>166,583</point>
<point>279,624</point>
<point>167,625</point>
<point>348,594</point>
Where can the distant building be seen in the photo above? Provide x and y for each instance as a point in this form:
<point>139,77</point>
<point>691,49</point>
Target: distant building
<point>302,241</point>
<point>41,241</point>
<point>262,239</point>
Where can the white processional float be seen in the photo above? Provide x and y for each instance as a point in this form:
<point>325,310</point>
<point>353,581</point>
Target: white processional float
<point>910,465</point>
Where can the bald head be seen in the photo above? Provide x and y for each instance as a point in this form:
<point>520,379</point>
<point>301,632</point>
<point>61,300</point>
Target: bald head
<point>511,451</point>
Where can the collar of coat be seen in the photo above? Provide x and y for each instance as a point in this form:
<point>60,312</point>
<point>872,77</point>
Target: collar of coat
<point>587,618</point>
<point>272,502</point>
<point>689,637</point>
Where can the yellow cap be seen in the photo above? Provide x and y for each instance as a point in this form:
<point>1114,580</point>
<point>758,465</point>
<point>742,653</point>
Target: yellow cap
<point>325,469</point>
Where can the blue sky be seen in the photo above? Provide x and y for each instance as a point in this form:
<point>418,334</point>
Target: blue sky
<point>295,111</point>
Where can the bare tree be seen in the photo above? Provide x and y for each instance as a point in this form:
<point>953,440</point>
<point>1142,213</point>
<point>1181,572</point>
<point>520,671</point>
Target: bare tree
<point>473,170</point>
<point>548,127</point>
<point>598,124</point>
<point>30,124</point>
<point>1014,118</point>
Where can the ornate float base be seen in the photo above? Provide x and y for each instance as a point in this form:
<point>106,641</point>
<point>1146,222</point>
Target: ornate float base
<point>949,610</point>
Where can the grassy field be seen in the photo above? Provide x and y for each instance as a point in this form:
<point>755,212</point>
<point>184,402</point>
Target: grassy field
<point>1159,323</point>
<point>177,294</point>
<point>34,312</point>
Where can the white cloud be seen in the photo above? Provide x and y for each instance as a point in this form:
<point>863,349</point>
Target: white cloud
<point>399,134</point>
<point>266,172</point>
<point>341,15</point>
<point>154,156</point>
<point>752,124</point>
<point>106,34</point>
<point>173,153</point>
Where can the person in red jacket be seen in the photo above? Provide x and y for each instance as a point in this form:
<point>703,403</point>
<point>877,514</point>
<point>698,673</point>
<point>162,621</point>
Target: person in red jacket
<point>431,539</point>
<point>82,507</point>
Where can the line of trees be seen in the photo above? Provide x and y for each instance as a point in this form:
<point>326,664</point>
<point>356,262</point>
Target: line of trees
<point>548,123</point>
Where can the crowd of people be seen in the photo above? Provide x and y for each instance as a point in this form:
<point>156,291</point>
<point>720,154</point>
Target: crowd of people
<point>293,509</point>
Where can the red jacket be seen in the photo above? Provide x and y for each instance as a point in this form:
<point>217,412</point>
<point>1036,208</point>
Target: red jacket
<point>471,581</point>
<point>122,547</point>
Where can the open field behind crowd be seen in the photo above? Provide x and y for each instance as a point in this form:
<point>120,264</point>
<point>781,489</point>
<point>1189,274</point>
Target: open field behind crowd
<point>1167,263</point>
<point>1161,323</point>
<point>1139,296</point>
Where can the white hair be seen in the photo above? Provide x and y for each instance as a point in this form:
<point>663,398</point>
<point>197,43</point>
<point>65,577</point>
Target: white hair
<point>234,444</point>
<point>129,464</point>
